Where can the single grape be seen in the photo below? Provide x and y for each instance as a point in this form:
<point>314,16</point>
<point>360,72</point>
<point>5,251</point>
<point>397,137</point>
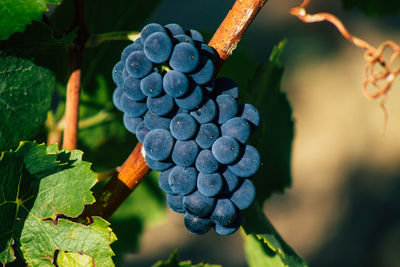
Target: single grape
<point>125,74</point>
<point>174,29</point>
<point>132,89</point>
<point>176,84</point>
<point>245,195</point>
<point>131,107</point>
<point>185,57</point>
<point>151,85</point>
<point>225,212</point>
<point>227,108</point>
<point>225,149</point>
<point>185,152</point>
<point>237,128</point>
<point>117,95</point>
<point>158,47</point>
<point>175,202</point>
<point>228,229</point>
<point>204,72</point>
<point>206,113</point>
<point>152,121</point>
<point>131,123</point>
<point>199,204</point>
<point>117,74</point>
<point>160,105</point>
<point>158,165</point>
<point>230,181</point>
<point>183,126</point>
<point>183,38</point>
<point>250,113</point>
<point>206,162</point>
<point>208,51</point>
<point>138,65</point>
<point>209,184</point>
<point>158,144</point>
<point>191,101</point>
<point>248,164</point>
<point>207,135</point>
<point>163,181</point>
<point>149,29</point>
<point>136,46</point>
<point>141,132</point>
<point>226,86</point>
<point>196,36</point>
<point>182,180</point>
<point>197,225</point>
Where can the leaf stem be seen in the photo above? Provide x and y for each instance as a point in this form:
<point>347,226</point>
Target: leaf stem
<point>100,117</point>
<point>135,168</point>
<point>97,39</point>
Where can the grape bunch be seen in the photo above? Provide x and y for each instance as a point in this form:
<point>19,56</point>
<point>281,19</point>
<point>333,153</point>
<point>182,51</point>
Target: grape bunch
<point>192,128</point>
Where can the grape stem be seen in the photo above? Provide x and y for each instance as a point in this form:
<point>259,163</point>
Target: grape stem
<point>134,169</point>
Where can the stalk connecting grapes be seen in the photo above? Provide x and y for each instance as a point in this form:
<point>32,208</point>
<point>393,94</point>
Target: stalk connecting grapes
<point>192,128</point>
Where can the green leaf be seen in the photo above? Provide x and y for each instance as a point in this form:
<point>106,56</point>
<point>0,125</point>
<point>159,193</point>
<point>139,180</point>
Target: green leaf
<point>66,259</point>
<point>274,137</point>
<point>173,261</point>
<point>373,7</point>
<point>263,244</point>
<point>16,14</point>
<point>25,96</point>
<point>38,185</point>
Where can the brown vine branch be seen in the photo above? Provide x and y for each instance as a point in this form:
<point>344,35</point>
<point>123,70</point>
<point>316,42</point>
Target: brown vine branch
<point>74,82</point>
<point>380,79</point>
<point>135,168</point>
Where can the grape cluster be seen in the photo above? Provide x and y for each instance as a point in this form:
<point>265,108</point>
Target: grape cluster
<point>192,128</point>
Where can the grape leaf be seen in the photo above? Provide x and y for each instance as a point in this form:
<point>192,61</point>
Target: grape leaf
<point>274,137</point>
<point>41,188</point>
<point>263,244</point>
<point>173,261</point>
<point>66,259</point>
<point>16,14</point>
<point>373,7</point>
<point>25,97</point>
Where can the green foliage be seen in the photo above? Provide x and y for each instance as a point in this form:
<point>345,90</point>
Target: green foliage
<point>373,7</point>
<point>274,138</point>
<point>41,189</point>
<point>263,244</point>
<point>25,96</point>
<point>173,261</point>
<point>16,14</point>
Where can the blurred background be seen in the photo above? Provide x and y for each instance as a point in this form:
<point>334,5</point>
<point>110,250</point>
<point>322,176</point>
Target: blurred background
<point>343,208</point>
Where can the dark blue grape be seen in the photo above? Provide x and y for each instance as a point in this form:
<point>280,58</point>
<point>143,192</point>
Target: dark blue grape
<point>230,181</point>
<point>125,74</point>
<point>160,105</point>
<point>131,123</point>
<point>183,38</point>
<point>158,144</point>
<point>174,29</point>
<point>228,229</point>
<point>206,162</point>
<point>185,152</point>
<point>149,29</point>
<point>132,89</point>
<point>209,184</point>
<point>136,46</point>
<point>117,95</point>
<point>225,149</point>
<point>152,121</point>
<point>208,51</point>
<point>158,165</point>
<point>237,128</point>
<point>209,87</point>
<point>175,83</point>
<point>117,74</point>
<point>207,135</point>
<point>206,113</point>
<point>131,107</point>
<point>250,113</point>
<point>183,126</point>
<point>163,181</point>
<point>248,164</point>
<point>151,85</point>
<point>227,108</point>
<point>225,212</point>
<point>226,86</point>
<point>141,132</point>
<point>138,65</point>
<point>158,47</point>
<point>175,202</point>
<point>245,195</point>
<point>199,204</point>
<point>197,225</point>
<point>185,57</point>
<point>192,100</point>
<point>196,36</point>
<point>205,71</point>
<point>182,180</point>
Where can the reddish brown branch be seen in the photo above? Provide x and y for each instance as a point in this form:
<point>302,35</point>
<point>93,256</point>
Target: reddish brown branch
<point>135,168</point>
